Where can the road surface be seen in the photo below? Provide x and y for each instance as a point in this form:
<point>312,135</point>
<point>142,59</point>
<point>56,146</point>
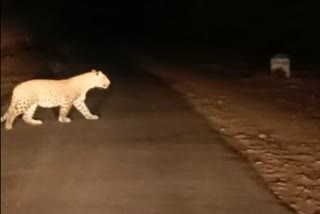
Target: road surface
<point>148,154</point>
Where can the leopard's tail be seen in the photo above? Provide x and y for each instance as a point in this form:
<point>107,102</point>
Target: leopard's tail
<point>4,117</point>
<point>10,108</point>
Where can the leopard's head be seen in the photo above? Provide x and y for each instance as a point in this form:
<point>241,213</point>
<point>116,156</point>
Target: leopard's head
<point>100,79</point>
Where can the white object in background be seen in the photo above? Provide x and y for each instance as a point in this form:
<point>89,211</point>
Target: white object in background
<point>280,66</point>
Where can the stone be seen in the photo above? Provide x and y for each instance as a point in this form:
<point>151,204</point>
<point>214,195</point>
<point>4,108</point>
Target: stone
<point>262,136</point>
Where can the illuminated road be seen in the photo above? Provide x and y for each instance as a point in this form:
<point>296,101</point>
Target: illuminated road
<point>148,154</point>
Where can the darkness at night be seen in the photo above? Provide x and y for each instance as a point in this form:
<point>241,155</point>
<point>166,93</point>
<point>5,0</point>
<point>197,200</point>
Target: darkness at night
<point>267,26</point>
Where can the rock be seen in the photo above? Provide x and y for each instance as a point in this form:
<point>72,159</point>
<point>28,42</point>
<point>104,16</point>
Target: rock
<point>300,188</point>
<point>268,154</point>
<point>306,191</point>
<point>316,165</point>
<point>258,163</point>
<point>251,151</point>
<point>304,180</point>
<point>274,161</point>
<point>280,188</point>
<point>262,136</point>
<point>281,184</point>
<point>305,158</point>
<point>245,141</point>
<point>240,136</point>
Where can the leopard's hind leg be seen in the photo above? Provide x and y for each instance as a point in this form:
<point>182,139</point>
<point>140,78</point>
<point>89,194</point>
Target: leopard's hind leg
<point>28,115</point>
<point>10,119</point>
<point>10,116</point>
<point>27,108</point>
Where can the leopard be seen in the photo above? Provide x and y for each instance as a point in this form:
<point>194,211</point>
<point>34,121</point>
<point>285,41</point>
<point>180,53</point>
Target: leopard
<point>49,93</point>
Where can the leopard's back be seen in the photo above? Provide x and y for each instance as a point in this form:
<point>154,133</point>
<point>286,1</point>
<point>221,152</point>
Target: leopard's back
<point>47,93</point>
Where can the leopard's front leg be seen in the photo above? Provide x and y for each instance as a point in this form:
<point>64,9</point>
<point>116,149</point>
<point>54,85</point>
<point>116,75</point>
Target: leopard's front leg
<point>84,110</point>
<point>64,110</point>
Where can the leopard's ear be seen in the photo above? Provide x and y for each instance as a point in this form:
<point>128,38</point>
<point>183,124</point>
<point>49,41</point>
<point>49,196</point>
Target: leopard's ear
<point>95,71</point>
